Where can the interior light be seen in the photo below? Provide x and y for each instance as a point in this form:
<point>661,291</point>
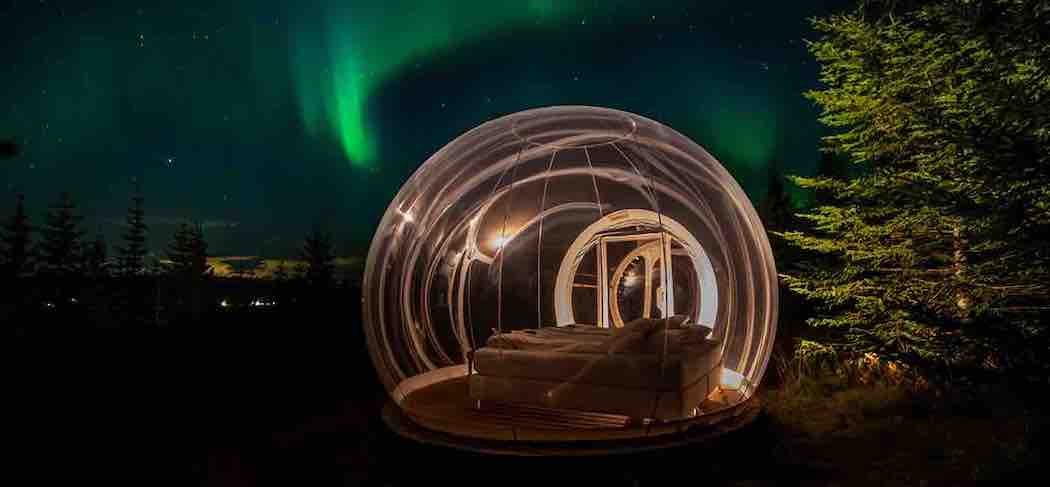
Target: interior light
<point>407,216</point>
<point>731,379</point>
<point>499,241</point>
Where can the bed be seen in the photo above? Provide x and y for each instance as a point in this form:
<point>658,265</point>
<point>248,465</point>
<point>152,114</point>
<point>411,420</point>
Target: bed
<point>649,369</point>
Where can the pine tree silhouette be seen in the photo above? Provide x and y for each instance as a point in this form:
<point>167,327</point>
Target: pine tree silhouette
<point>61,251</point>
<point>132,254</point>
<point>16,236</point>
<point>188,251</point>
<point>317,255</point>
<point>776,209</point>
<point>95,257</point>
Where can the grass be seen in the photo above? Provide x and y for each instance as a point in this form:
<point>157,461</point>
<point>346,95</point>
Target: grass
<point>249,400</point>
<point>881,433</point>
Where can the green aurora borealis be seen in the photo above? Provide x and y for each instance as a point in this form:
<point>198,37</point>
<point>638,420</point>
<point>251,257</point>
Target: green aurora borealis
<point>362,45</point>
<point>275,114</point>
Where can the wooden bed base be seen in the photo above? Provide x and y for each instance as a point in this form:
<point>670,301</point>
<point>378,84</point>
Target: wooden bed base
<point>443,413</point>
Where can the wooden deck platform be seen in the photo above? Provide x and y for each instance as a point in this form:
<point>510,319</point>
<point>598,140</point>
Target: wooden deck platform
<point>443,413</point>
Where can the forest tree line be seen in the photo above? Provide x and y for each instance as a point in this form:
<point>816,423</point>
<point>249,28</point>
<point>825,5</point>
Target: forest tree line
<point>53,267</point>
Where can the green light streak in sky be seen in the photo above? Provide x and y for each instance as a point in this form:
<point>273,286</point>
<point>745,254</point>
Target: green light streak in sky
<point>743,122</point>
<point>341,53</point>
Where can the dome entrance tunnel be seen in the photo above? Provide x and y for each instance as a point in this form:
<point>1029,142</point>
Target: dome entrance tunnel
<point>570,273</point>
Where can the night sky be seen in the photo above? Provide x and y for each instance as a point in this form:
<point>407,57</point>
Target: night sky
<point>262,117</point>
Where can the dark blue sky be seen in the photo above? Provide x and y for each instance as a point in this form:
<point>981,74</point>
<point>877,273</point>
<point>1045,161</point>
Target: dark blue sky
<point>264,117</point>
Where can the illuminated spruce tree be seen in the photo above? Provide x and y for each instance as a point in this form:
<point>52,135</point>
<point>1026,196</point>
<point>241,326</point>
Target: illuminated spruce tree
<point>934,252</point>
<point>15,237</point>
<point>132,255</point>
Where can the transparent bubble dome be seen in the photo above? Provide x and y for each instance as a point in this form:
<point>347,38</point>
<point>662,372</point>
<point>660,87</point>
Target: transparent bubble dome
<point>560,216</point>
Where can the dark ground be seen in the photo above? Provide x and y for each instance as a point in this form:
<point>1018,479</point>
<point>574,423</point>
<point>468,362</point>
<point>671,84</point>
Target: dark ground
<point>290,398</point>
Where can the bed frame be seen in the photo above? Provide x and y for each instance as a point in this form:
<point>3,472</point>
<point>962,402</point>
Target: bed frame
<point>640,386</point>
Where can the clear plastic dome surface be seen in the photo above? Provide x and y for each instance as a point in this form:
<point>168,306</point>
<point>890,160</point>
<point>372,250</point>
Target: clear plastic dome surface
<point>570,222</point>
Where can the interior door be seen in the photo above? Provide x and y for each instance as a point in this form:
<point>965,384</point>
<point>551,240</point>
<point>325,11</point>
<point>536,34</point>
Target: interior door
<point>633,270</point>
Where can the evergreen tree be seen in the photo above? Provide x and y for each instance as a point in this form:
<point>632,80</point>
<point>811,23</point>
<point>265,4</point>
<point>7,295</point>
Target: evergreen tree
<point>934,254</point>
<point>776,209</point>
<point>188,251</point>
<point>16,235</point>
<point>318,258</point>
<point>95,257</point>
<point>831,167</point>
<point>61,251</point>
<point>283,284</point>
<point>131,260</point>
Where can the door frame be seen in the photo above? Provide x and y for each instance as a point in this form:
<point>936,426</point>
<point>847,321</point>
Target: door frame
<point>605,320</point>
<point>626,219</point>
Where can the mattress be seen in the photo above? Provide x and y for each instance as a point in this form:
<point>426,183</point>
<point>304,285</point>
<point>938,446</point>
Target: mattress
<point>662,368</point>
<point>643,371</point>
<point>638,403</point>
<point>637,338</point>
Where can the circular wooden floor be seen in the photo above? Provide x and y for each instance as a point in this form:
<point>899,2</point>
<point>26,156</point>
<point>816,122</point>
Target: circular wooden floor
<point>442,414</point>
